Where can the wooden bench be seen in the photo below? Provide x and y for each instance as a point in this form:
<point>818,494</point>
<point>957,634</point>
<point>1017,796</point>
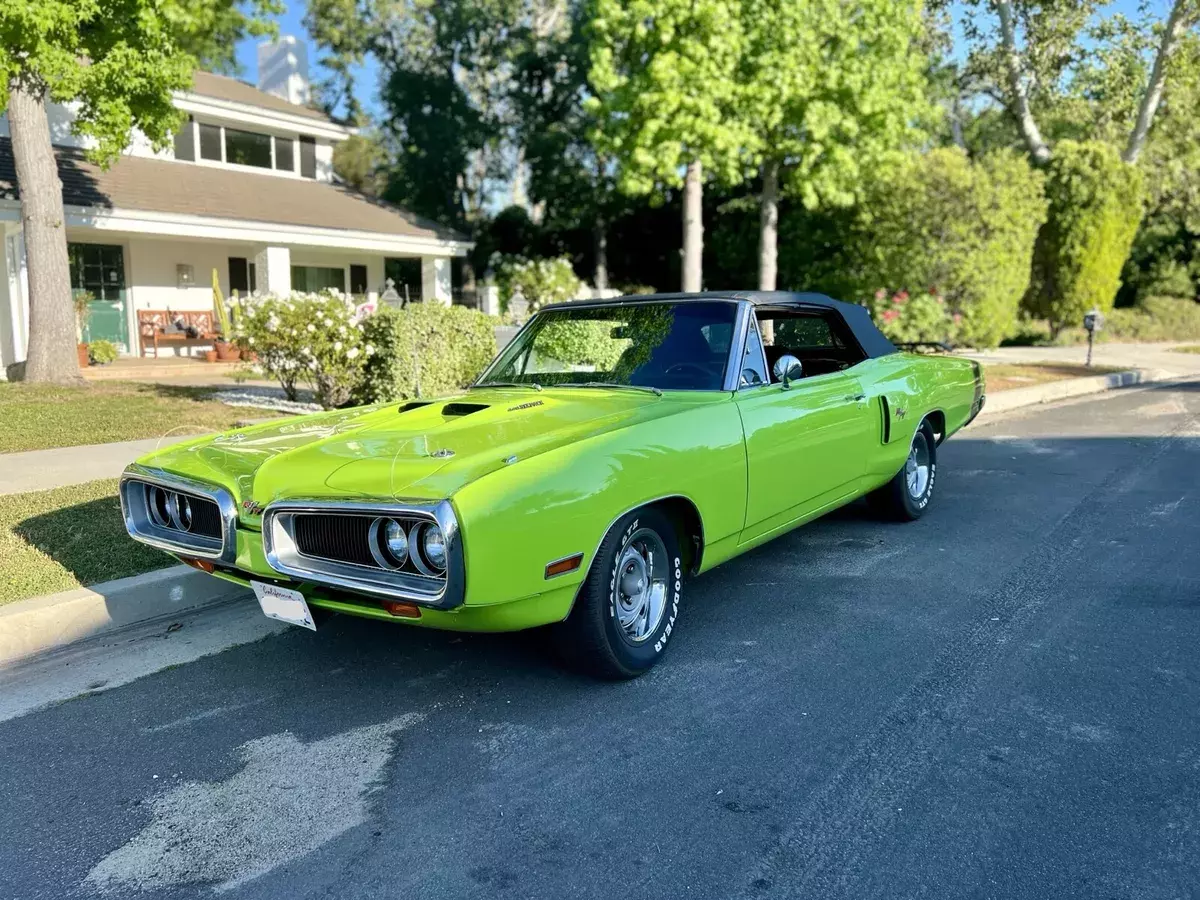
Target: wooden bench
<point>153,325</point>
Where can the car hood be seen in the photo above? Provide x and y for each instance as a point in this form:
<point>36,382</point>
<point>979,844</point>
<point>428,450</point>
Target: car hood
<point>414,450</point>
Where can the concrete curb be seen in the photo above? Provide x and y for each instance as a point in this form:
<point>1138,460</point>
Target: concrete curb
<point>34,626</point>
<point>1003,401</point>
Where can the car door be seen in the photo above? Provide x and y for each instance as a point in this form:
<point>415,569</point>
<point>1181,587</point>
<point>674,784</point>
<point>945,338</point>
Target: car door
<point>804,447</point>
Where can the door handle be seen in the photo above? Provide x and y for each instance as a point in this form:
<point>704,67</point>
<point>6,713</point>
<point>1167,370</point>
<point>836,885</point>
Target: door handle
<point>856,398</point>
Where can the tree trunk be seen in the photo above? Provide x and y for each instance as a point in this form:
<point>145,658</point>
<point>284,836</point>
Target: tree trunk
<point>768,226</point>
<point>1173,31</point>
<point>693,226</point>
<point>1018,95</point>
<point>600,272</point>
<point>52,355</point>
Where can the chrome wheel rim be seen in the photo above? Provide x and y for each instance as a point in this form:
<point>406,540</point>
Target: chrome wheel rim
<point>639,591</point>
<point>916,469</point>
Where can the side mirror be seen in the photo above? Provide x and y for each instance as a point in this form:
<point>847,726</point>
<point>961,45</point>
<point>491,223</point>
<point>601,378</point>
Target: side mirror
<point>787,369</point>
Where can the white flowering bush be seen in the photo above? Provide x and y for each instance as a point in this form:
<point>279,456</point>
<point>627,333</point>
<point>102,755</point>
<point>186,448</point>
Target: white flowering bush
<point>314,339</point>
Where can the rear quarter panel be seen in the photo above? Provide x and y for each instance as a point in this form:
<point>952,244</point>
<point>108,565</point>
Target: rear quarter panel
<point>519,518</point>
<point>914,385</point>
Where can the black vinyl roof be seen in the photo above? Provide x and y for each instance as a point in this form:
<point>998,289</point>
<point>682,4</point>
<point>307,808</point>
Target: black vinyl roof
<point>870,338</point>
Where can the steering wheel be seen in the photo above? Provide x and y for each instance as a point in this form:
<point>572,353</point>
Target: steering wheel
<point>696,367</point>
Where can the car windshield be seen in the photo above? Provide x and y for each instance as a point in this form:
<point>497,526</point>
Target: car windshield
<point>663,346</point>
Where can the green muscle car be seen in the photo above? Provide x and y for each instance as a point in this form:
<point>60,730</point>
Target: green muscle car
<point>612,450</point>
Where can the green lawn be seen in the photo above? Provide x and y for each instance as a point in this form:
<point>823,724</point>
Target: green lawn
<point>65,538</point>
<point>36,417</point>
<point>1006,376</point>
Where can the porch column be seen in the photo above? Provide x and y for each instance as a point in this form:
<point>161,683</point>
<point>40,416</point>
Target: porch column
<point>435,279</point>
<point>14,299</point>
<point>273,270</point>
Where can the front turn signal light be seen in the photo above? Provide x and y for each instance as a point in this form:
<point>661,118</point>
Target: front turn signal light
<point>402,610</point>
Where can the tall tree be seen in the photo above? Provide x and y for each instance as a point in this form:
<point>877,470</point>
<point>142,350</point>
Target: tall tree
<point>571,185</point>
<point>664,75</point>
<point>117,61</point>
<point>446,70</point>
<point>1030,52</point>
<point>830,90</point>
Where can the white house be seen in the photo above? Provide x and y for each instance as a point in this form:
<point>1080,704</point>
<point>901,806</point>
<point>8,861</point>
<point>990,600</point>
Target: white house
<point>247,190</point>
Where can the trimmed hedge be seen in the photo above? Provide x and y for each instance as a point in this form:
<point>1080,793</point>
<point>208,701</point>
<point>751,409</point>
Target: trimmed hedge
<point>424,350</point>
<point>962,229</point>
<point>1096,205</point>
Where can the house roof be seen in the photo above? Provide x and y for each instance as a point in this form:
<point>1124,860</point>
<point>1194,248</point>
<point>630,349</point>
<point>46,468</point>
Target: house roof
<point>165,186</point>
<point>221,87</point>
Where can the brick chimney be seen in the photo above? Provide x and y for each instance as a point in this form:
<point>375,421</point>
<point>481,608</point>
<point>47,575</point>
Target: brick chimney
<point>283,69</point>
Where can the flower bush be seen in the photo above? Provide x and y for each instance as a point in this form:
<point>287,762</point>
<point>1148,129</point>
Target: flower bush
<point>913,319</point>
<point>315,339</point>
<point>540,281</point>
<point>424,350</point>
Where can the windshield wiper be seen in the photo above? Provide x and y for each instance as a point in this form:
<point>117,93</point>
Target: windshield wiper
<point>487,384</point>
<point>611,384</point>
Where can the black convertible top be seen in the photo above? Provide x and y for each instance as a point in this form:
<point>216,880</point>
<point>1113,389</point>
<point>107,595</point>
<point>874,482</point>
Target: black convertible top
<point>870,338</point>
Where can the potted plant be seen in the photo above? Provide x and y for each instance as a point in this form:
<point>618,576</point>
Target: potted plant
<point>226,350</point>
<point>83,311</point>
<point>102,352</point>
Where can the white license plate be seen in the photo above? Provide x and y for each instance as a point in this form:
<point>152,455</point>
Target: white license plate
<point>283,604</point>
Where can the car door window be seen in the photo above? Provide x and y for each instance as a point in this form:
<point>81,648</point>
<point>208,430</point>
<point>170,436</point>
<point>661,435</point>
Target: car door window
<point>820,340</point>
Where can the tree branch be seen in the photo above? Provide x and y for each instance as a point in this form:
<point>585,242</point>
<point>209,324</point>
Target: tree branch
<point>1020,95</point>
<point>1173,31</point>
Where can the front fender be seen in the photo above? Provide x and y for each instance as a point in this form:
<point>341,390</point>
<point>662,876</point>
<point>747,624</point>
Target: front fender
<point>518,519</point>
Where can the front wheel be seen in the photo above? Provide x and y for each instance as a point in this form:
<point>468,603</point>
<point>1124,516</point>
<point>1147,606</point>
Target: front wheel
<point>628,605</point>
<point>907,495</point>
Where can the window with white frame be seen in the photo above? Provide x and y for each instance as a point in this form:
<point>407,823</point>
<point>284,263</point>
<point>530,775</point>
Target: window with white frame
<point>240,147</point>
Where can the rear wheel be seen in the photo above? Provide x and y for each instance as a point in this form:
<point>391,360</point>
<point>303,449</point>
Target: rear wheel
<point>627,607</point>
<point>907,495</point>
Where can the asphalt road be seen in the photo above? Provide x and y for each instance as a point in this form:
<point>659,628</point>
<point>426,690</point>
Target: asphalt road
<point>1000,700</point>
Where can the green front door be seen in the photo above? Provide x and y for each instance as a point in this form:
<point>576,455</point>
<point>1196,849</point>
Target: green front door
<point>99,269</point>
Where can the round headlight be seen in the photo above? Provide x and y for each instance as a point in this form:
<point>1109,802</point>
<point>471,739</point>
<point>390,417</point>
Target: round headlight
<point>396,541</point>
<point>180,508</point>
<point>433,543</point>
<point>158,502</point>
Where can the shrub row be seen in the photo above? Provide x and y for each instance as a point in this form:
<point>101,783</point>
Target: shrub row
<point>425,350</point>
<point>347,356</point>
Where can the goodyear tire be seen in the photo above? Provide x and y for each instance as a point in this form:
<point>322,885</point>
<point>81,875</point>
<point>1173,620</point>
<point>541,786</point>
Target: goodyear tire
<point>908,494</point>
<point>628,606</point>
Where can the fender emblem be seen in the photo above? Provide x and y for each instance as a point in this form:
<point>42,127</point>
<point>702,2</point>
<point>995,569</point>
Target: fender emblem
<point>901,412</point>
<point>252,507</point>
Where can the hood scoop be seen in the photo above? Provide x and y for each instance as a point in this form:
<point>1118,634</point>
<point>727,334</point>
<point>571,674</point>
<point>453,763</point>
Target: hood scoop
<point>457,410</point>
<point>413,404</point>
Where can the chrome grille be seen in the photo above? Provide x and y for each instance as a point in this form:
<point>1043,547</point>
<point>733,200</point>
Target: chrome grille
<point>344,538</point>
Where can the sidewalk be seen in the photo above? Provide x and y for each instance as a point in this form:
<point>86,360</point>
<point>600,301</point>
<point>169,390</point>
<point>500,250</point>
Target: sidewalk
<point>1119,356</point>
<point>43,470</point>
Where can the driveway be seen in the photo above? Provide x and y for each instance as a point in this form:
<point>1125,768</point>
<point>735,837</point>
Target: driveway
<point>999,700</point>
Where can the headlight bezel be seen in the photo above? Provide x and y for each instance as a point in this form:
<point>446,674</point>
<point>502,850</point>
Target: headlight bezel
<point>441,589</point>
<point>137,486</point>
